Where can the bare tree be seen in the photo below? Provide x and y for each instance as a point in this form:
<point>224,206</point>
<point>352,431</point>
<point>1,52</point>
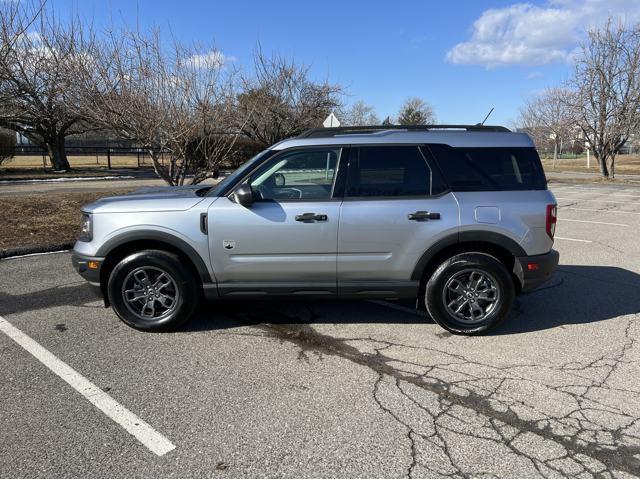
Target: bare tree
<point>176,103</point>
<point>37,78</point>
<point>606,90</point>
<point>280,100</point>
<point>7,145</point>
<point>416,111</point>
<point>549,117</point>
<point>16,17</point>
<point>360,114</point>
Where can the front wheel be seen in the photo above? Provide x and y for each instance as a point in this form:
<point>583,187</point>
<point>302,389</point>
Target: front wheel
<point>469,293</point>
<point>152,290</point>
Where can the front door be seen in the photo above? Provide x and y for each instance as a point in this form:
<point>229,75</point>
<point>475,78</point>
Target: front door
<point>286,241</point>
<point>395,206</point>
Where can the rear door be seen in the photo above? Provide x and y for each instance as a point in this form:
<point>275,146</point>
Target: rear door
<point>395,206</point>
<point>286,241</point>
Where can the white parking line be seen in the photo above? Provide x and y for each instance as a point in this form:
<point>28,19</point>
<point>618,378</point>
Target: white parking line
<point>599,211</point>
<point>625,195</point>
<point>572,239</point>
<point>143,432</point>
<point>591,222</point>
<point>598,201</point>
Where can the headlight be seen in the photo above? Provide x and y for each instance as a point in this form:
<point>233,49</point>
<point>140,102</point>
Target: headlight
<point>86,228</point>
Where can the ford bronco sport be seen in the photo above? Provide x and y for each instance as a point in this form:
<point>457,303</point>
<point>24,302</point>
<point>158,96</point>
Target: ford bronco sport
<point>457,217</point>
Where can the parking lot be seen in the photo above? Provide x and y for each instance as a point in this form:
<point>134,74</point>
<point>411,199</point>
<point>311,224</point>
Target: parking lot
<point>335,389</point>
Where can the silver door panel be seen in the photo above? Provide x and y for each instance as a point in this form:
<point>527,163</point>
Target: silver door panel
<point>269,245</point>
<point>378,242</point>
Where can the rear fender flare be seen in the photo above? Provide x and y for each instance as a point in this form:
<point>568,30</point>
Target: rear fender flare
<point>465,237</point>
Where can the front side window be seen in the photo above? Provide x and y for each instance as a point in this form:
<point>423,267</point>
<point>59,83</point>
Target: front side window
<point>306,174</point>
<point>390,171</point>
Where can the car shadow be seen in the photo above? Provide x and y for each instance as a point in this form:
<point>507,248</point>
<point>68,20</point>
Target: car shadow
<point>76,293</point>
<point>575,295</point>
<point>234,313</point>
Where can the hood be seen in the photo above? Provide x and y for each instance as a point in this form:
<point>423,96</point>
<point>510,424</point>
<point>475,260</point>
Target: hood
<point>163,198</point>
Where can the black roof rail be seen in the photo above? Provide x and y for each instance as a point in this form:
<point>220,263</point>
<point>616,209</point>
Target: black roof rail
<point>361,130</point>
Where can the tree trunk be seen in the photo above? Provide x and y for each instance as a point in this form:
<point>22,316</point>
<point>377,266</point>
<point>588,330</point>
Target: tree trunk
<point>602,161</point>
<point>159,168</point>
<point>57,153</point>
<point>613,166</point>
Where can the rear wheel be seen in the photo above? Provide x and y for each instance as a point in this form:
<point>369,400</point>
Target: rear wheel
<point>469,293</point>
<point>152,290</point>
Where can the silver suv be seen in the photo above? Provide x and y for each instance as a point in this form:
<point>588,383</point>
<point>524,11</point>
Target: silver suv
<point>457,217</point>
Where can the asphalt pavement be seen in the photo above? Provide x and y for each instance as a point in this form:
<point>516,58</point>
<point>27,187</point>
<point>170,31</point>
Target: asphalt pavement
<point>339,389</point>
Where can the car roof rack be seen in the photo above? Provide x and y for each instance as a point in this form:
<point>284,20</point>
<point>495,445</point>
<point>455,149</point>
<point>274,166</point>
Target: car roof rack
<point>363,130</point>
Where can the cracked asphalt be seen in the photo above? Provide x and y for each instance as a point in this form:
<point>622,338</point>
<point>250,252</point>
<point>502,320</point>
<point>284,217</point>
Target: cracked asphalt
<point>343,389</point>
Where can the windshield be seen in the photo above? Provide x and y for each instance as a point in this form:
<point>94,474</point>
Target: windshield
<point>221,188</point>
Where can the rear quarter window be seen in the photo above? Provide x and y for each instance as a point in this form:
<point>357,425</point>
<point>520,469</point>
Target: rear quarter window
<point>490,169</point>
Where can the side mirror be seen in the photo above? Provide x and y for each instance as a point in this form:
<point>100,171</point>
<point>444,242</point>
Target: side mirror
<point>244,195</point>
<point>279,180</point>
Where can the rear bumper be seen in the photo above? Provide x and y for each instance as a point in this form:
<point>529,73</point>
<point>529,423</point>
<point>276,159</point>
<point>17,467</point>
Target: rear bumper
<point>92,275</point>
<point>532,271</point>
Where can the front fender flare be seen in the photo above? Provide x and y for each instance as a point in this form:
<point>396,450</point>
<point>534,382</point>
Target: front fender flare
<point>155,235</point>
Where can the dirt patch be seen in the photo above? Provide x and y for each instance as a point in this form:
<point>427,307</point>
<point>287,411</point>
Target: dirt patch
<point>43,220</point>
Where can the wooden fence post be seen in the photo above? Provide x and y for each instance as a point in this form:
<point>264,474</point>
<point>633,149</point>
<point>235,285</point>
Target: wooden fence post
<point>109,158</point>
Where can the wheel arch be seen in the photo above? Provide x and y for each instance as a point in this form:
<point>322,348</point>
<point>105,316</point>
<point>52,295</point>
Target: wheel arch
<point>122,246</point>
<point>500,246</point>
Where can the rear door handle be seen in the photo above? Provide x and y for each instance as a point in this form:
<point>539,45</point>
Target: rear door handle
<point>423,216</point>
<point>310,217</point>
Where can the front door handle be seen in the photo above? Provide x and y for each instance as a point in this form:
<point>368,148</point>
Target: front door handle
<point>310,217</point>
<point>423,216</point>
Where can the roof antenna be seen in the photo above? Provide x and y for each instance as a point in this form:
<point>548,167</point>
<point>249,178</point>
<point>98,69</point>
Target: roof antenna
<point>485,118</point>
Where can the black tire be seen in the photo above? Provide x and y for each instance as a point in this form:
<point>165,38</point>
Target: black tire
<point>452,283</point>
<point>178,282</point>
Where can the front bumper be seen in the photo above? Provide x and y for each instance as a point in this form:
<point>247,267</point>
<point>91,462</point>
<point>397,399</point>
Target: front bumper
<point>92,275</point>
<point>532,271</point>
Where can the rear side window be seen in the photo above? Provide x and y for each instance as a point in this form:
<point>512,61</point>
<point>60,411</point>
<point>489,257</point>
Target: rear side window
<point>490,169</point>
<point>391,171</point>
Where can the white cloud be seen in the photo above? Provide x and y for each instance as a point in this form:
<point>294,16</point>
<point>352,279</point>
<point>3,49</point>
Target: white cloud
<point>533,75</point>
<point>210,59</point>
<point>526,34</point>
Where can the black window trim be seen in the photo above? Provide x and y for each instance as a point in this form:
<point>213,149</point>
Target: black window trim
<point>429,160</point>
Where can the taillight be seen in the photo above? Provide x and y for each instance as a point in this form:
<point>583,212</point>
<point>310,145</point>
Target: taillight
<point>552,219</point>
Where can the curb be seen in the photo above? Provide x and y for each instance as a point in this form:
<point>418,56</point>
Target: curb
<point>26,250</point>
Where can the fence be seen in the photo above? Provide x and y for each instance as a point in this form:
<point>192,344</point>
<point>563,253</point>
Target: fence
<point>32,156</point>
<point>83,156</point>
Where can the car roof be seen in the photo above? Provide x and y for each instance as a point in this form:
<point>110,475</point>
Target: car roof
<point>455,136</point>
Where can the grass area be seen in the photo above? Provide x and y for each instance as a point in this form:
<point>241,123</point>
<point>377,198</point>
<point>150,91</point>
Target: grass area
<point>43,220</point>
<point>625,165</point>
<point>78,161</point>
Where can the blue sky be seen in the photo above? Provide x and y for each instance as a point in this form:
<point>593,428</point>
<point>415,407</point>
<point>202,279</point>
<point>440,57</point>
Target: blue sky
<point>463,56</point>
